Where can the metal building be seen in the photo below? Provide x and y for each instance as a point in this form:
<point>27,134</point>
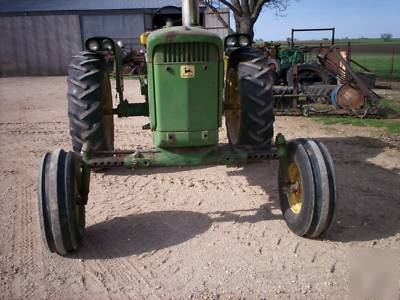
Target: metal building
<point>39,37</point>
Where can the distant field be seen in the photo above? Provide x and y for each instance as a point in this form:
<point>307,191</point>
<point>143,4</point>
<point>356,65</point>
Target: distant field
<point>380,64</point>
<point>369,41</point>
<point>395,42</point>
<point>382,58</point>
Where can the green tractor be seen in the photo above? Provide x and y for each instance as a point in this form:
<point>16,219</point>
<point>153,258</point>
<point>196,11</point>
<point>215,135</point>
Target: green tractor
<point>185,122</point>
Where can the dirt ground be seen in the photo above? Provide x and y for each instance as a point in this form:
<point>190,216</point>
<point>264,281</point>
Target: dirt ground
<point>204,232</point>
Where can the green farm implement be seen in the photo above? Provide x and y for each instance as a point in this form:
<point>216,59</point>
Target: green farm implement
<point>185,122</point>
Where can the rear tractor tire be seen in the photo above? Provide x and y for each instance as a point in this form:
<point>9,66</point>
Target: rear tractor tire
<point>90,107</point>
<point>249,103</point>
<point>62,195</point>
<point>307,188</point>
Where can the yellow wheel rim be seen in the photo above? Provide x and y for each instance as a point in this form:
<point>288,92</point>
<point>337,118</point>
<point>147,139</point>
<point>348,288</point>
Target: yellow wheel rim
<point>295,195</point>
<point>232,101</point>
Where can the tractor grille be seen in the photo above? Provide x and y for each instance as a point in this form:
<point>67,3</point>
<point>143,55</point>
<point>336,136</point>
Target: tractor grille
<point>185,52</point>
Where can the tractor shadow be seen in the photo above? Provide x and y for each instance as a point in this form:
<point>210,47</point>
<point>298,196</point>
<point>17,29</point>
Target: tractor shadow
<point>148,232</point>
<point>144,233</point>
<point>368,206</point>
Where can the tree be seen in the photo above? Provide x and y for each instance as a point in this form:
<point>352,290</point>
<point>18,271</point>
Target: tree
<point>386,36</point>
<point>245,12</point>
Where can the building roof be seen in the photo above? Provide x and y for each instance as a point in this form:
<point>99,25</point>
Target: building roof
<point>36,6</point>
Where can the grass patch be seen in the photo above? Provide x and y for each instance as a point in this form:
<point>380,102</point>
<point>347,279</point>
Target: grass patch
<point>392,125</point>
<point>389,108</point>
<point>380,64</point>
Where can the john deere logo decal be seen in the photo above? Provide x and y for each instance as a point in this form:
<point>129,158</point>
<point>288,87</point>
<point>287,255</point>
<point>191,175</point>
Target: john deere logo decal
<point>187,71</point>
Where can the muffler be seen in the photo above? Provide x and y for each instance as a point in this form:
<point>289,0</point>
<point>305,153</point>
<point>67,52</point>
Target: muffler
<point>190,13</point>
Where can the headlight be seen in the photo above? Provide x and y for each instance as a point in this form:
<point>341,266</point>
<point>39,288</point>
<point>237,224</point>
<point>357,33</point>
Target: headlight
<point>231,41</point>
<point>107,45</point>
<point>93,45</point>
<point>244,41</point>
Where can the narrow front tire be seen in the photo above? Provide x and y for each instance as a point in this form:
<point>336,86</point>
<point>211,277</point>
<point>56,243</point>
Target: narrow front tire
<point>307,188</point>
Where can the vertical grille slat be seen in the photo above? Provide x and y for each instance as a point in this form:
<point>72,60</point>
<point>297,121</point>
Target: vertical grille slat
<point>185,52</point>
<point>189,58</point>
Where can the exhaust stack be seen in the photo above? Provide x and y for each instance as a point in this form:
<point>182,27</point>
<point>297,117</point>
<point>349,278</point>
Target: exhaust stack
<point>190,13</point>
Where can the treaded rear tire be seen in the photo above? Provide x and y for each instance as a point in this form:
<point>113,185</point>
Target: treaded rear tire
<point>89,97</point>
<point>316,73</point>
<point>255,82</point>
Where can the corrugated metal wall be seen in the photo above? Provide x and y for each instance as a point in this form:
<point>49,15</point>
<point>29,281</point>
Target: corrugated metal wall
<point>124,27</point>
<point>148,22</point>
<point>213,24</point>
<point>38,45</point>
<point>44,44</point>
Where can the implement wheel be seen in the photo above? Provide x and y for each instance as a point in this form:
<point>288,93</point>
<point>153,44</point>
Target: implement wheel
<point>62,195</point>
<point>249,101</point>
<point>307,188</point>
<point>90,107</point>
<point>309,74</point>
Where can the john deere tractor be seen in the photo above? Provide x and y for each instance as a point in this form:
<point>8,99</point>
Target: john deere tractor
<point>187,93</point>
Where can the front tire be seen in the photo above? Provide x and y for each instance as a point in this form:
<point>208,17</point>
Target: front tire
<point>307,188</point>
<point>61,199</point>
<point>90,103</point>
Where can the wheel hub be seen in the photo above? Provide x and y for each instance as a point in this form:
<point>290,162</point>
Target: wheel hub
<point>233,103</point>
<point>295,192</point>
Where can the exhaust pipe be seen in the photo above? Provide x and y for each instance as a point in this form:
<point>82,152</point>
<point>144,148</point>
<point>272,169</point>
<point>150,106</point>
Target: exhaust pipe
<point>190,13</point>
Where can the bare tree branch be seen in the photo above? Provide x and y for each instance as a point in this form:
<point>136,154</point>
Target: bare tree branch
<point>278,6</point>
<point>245,6</point>
<point>237,6</point>
<point>252,4</point>
<point>257,9</point>
<point>233,5</point>
<point>246,12</point>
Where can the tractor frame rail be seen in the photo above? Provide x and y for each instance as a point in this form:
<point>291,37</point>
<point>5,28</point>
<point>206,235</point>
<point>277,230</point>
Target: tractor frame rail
<point>223,154</point>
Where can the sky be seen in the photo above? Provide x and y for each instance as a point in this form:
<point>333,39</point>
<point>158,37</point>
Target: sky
<point>351,18</point>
